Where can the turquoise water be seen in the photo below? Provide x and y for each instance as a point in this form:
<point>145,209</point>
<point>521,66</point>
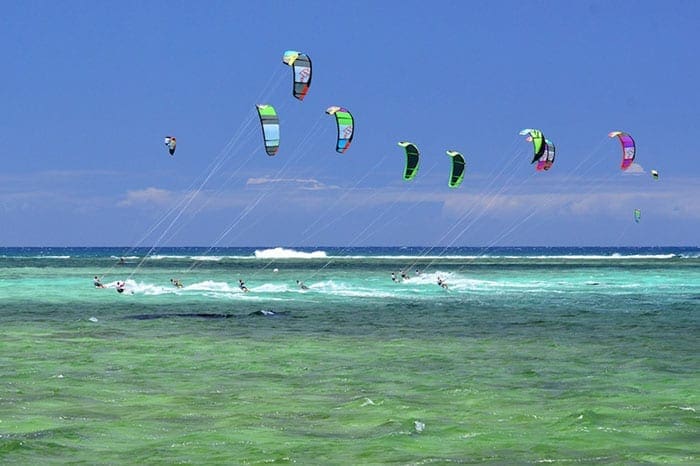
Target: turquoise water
<point>531,355</point>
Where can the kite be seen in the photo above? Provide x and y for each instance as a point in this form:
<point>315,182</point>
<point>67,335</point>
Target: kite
<point>655,174</point>
<point>301,71</point>
<point>538,142</point>
<point>547,160</point>
<point>171,142</point>
<point>270,127</point>
<point>628,148</point>
<point>412,159</point>
<point>637,215</point>
<point>458,166</point>
<point>346,127</point>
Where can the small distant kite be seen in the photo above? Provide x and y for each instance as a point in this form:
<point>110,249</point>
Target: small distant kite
<point>628,148</point>
<point>171,143</point>
<point>655,174</point>
<point>637,215</point>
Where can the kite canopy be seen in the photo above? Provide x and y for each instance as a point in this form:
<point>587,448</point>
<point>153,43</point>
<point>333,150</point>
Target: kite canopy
<point>655,174</point>
<point>412,159</point>
<point>171,143</point>
<point>538,142</point>
<point>547,160</point>
<point>458,166</point>
<point>628,148</point>
<point>637,215</point>
<point>346,127</point>
<point>270,127</point>
<point>301,72</point>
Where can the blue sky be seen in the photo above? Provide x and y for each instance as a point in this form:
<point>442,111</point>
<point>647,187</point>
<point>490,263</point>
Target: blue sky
<point>89,90</point>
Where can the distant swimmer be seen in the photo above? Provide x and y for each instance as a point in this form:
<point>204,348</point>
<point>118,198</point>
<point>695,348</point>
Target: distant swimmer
<point>241,285</point>
<point>98,283</point>
<point>301,285</point>
<point>393,277</point>
<point>121,286</point>
<point>441,282</point>
<point>176,282</point>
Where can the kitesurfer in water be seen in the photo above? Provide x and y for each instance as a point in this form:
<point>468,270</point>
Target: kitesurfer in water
<point>120,287</point>
<point>404,275</point>
<point>241,285</point>
<point>393,277</point>
<point>121,261</point>
<point>176,282</point>
<point>441,282</point>
<point>301,285</point>
<point>98,283</point>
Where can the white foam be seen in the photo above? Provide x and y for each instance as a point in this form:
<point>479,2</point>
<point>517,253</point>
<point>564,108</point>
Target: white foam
<point>282,253</point>
<point>207,258</point>
<point>270,288</point>
<point>210,285</point>
<point>344,290</point>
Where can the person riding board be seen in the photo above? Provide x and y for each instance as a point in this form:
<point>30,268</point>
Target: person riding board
<point>176,282</point>
<point>301,285</point>
<point>241,285</point>
<point>98,283</point>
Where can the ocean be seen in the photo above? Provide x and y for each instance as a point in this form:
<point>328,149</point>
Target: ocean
<point>530,355</point>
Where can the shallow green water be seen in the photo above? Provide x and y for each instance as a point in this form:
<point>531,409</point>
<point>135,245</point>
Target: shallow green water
<point>517,363</point>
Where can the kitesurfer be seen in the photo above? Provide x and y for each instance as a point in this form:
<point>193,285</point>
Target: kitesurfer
<point>301,285</point>
<point>393,277</point>
<point>241,285</point>
<point>404,275</point>
<point>120,287</point>
<point>121,261</point>
<point>98,283</point>
<point>176,282</point>
<point>441,282</point>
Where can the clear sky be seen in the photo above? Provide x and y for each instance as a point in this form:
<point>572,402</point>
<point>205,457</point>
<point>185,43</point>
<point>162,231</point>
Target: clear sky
<point>90,88</point>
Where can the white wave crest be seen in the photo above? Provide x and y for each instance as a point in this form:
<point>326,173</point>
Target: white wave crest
<point>282,253</point>
<point>207,258</point>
